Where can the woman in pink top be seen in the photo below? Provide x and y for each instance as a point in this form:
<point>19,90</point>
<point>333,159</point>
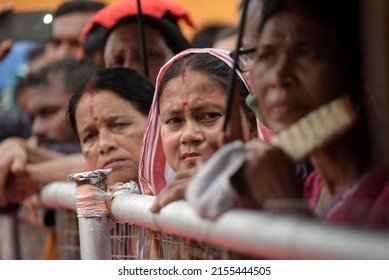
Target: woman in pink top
<point>308,53</point>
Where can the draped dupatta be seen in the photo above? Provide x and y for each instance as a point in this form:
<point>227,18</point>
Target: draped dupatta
<point>154,171</point>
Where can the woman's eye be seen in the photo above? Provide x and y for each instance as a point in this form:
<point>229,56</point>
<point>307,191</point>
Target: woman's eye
<point>210,116</point>
<point>265,57</point>
<point>117,61</point>
<point>88,137</point>
<point>306,51</point>
<point>120,124</point>
<point>152,53</point>
<point>173,121</point>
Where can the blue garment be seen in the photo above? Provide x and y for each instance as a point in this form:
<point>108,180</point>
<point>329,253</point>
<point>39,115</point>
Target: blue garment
<point>17,56</point>
<point>13,121</point>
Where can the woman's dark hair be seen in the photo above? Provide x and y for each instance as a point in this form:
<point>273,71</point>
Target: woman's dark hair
<point>174,39</point>
<point>208,64</point>
<point>126,83</point>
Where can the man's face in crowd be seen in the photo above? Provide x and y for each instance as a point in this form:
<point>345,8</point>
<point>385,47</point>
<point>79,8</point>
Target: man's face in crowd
<point>46,105</point>
<point>66,31</point>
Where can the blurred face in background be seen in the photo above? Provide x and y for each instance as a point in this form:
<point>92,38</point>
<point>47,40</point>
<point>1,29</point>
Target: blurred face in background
<point>123,49</point>
<point>46,104</point>
<point>66,30</point>
<point>298,66</point>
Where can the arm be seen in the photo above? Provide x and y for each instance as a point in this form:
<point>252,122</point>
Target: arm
<point>5,47</point>
<point>174,191</point>
<point>268,174</point>
<point>56,169</point>
<point>16,153</point>
<point>22,186</point>
<point>39,155</point>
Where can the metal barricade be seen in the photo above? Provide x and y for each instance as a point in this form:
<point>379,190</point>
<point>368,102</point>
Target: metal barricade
<point>255,234</point>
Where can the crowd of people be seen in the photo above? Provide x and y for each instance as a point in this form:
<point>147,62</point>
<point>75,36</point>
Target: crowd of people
<point>154,111</point>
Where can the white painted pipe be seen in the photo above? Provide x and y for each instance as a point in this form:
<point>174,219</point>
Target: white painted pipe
<point>254,232</point>
<point>58,195</point>
<point>95,238</point>
<point>92,213</point>
<point>9,249</point>
<point>259,233</point>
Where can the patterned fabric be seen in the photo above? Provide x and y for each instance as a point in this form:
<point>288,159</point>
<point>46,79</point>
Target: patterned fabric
<point>154,172</point>
<point>364,202</point>
<point>109,15</point>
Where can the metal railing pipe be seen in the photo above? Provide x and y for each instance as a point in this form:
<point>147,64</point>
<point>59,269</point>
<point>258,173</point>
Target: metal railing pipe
<point>253,232</point>
<point>58,195</point>
<point>258,233</point>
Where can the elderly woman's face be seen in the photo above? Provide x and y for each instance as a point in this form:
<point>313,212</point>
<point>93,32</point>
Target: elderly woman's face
<point>298,67</point>
<point>123,49</point>
<point>191,110</point>
<point>111,130</point>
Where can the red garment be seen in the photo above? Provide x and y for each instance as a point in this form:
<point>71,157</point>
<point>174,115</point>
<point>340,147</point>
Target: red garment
<point>363,203</point>
<point>109,15</point>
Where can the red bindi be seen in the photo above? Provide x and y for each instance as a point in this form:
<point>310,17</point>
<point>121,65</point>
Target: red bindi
<point>95,119</point>
<point>185,103</point>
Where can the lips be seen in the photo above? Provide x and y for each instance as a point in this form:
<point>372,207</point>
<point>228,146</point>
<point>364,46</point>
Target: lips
<point>190,157</point>
<point>281,102</point>
<point>282,109</point>
<point>114,163</point>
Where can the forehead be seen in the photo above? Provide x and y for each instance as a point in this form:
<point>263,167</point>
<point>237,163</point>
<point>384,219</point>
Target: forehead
<point>106,105</point>
<point>293,26</point>
<point>128,34</point>
<point>189,86</point>
<point>103,96</point>
<point>54,93</point>
<point>70,25</point>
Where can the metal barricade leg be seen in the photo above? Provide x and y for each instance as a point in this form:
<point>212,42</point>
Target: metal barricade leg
<point>95,238</point>
<point>9,238</point>
<point>93,216</point>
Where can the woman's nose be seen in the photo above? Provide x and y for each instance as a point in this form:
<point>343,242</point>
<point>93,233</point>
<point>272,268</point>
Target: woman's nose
<point>133,61</point>
<point>282,75</point>
<point>192,134</point>
<point>106,142</point>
